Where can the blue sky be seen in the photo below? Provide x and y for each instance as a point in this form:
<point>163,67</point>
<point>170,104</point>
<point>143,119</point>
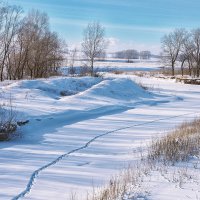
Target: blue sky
<point>135,24</point>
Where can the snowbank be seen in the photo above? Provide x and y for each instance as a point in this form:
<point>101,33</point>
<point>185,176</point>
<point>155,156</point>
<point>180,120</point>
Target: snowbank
<point>120,88</point>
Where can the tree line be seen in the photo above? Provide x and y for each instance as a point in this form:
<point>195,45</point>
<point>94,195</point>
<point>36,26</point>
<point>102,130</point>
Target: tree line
<point>28,48</point>
<point>131,54</point>
<point>182,46</point>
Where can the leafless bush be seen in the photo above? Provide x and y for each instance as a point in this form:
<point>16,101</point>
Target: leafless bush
<point>178,145</point>
<point>8,123</point>
<point>85,70</point>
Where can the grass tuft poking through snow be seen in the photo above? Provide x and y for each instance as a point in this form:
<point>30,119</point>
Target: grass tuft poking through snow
<point>120,186</point>
<point>179,145</point>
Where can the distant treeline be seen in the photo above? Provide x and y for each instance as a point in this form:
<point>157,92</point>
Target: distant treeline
<point>131,54</point>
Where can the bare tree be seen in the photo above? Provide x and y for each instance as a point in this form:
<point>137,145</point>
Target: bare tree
<point>145,55</point>
<point>41,49</point>
<point>187,54</point>
<point>28,48</point>
<point>9,26</point>
<point>195,44</point>
<point>191,52</point>
<point>72,59</point>
<point>171,45</point>
<point>94,43</point>
<point>129,54</point>
<point>183,57</point>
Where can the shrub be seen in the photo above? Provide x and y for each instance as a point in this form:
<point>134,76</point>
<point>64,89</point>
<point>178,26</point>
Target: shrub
<point>8,124</point>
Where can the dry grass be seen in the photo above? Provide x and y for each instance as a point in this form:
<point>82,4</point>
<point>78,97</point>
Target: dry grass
<point>142,85</point>
<point>120,185</point>
<point>178,145</point>
<point>191,81</point>
<point>8,123</point>
<point>117,72</point>
<point>168,72</point>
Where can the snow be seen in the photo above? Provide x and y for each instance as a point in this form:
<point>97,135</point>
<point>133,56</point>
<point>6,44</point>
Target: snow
<point>118,65</point>
<point>135,65</point>
<point>77,142</point>
<point>171,182</point>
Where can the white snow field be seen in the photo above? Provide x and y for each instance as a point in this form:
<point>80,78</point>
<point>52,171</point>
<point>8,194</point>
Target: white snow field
<point>123,65</point>
<point>112,64</point>
<point>76,142</point>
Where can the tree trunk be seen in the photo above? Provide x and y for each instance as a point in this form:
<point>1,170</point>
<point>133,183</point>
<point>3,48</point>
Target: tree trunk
<point>198,70</point>
<point>1,73</point>
<point>182,67</point>
<point>92,67</point>
<point>173,69</point>
<point>190,71</point>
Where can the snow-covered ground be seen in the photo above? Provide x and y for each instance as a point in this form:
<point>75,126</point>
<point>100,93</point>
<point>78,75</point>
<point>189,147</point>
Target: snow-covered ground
<point>118,65</point>
<point>181,181</point>
<point>76,142</point>
<point>135,65</point>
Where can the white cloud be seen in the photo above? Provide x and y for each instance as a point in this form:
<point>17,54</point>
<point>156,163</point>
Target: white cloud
<point>116,45</point>
<point>138,28</point>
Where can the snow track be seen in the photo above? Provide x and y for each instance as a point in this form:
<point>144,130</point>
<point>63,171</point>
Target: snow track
<point>36,173</point>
